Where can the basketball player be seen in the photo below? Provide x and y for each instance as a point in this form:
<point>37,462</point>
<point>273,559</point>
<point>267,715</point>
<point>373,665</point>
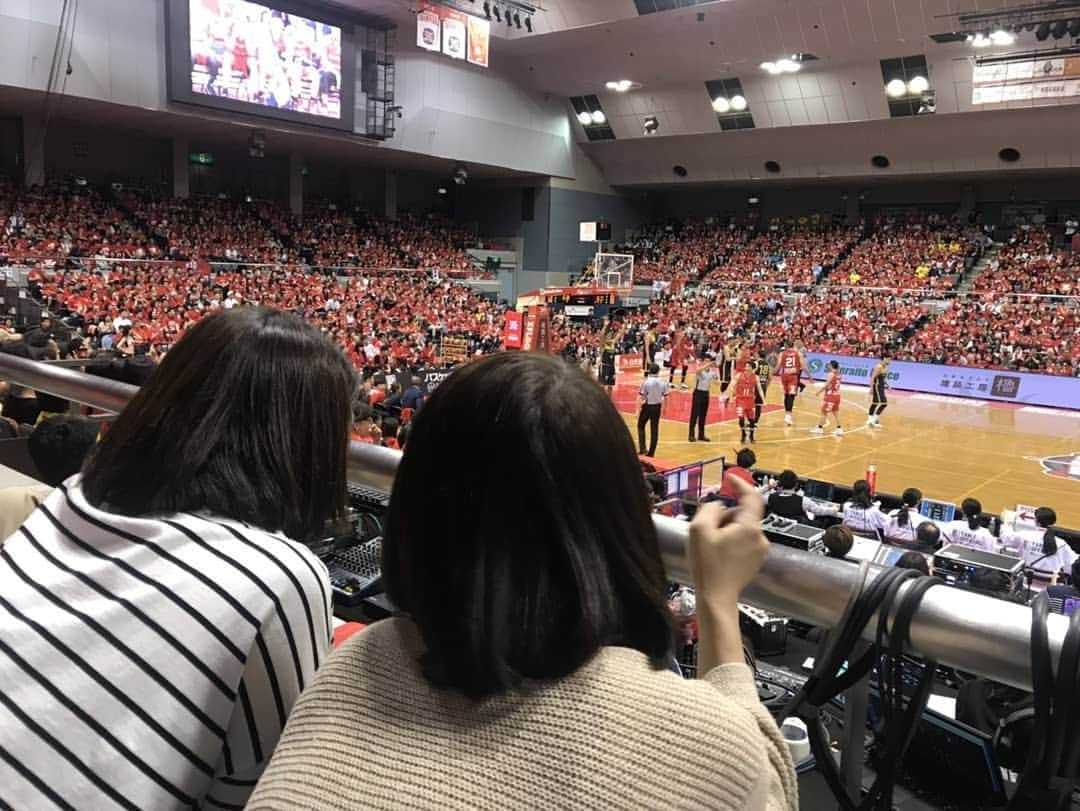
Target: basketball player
<point>800,348</point>
<point>681,347</point>
<point>727,365</point>
<point>878,401</point>
<point>610,335</point>
<point>747,392</point>
<point>763,371</point>
<point>790,367</point>
<point>831,403</point>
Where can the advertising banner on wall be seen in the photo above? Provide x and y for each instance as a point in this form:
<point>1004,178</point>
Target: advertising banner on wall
<point>512,334</point>
<point>1026,79</point>
<point>453,33</point>
<point>429,28</point>
<point>957,381</point>
<point>479,41</point>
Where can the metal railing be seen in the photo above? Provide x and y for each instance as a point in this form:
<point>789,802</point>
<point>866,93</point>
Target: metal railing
<point>969,631</point>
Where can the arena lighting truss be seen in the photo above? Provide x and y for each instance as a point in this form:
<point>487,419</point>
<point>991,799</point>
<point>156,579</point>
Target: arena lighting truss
<point>514,13</point>
<point>1056,19</point>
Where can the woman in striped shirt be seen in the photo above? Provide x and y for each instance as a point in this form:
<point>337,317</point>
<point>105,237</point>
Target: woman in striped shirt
<point>158,615</point>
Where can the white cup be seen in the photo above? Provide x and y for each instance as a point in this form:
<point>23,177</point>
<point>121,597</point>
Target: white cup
<point>798,741</point>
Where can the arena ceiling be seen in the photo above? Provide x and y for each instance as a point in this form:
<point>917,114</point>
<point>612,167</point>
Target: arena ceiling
<point>828,120</point>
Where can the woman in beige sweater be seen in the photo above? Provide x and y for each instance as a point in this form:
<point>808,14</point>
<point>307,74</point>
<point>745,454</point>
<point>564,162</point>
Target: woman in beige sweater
<point>529,666</point>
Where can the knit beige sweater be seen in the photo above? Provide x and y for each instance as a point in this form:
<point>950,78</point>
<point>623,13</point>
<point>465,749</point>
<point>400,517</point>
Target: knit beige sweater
<point>370,732</point>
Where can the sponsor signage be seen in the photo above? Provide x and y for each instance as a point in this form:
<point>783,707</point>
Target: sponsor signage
<point>1026,79</point>
<point>455,350</point>
<point>957,381</point>
<point>453,33</point>
<point>512,334</point>
<point>429,29</point>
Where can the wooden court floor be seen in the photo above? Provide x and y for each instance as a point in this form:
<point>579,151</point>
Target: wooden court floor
<point>950,448</point>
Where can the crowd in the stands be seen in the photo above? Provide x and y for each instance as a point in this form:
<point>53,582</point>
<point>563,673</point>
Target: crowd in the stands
<point>907,256</point>
<point>1028,263</point>
<point>805,270</point>
<point>381,322</point>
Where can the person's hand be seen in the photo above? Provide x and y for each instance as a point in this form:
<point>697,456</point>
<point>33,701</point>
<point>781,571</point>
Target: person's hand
<point>727,547</point>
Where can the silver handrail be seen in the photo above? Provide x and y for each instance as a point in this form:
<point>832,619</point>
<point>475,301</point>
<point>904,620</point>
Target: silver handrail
<point>969,631</point>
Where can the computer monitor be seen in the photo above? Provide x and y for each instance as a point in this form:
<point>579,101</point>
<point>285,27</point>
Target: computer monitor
<point>938,511</point>
<point>955,761</point>
<point>888,555</point>
<point>819,491</point>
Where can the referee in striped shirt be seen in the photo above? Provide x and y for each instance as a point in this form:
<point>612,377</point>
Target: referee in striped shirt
<point>158,617</point>
<point>652,393</point>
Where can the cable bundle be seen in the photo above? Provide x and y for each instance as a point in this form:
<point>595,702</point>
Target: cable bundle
<point>1054,752</point>
<point>880,597</point>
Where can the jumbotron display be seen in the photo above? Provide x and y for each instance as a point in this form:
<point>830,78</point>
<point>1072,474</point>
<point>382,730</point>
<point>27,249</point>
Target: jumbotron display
<point>278,59</point>
<point>256,54</point>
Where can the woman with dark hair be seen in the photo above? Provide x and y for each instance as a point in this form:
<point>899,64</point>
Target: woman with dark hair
<point>1040,548</point>
<point>159,616</point>
<point>901,524</point>
<point>529,668</point>
<point>968,531</point>
<point>862,515</point>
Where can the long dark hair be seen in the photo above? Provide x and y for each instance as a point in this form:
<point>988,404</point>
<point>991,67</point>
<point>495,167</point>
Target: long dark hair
<point>911,498</point>
<point>972,509</point>
<point>247,417</point>
<point>518,536</point>
<point>1046,518</point>
<point>860,494</point>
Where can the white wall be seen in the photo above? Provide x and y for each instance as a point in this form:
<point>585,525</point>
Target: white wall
<point>462,112</point>
<point>118,52</point>
<point>452,110</point>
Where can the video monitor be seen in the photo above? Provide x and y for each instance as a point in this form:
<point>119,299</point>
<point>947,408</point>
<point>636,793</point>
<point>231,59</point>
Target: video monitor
<point>819,491</point>
<point>270,58</point>
<point>937,511</point>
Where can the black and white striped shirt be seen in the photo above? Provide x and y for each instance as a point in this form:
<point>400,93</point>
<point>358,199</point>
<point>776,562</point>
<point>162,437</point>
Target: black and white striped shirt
<point>149,663</point>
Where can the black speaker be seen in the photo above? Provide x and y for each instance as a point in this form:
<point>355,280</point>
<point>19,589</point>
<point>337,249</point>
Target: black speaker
<point>603,232</point>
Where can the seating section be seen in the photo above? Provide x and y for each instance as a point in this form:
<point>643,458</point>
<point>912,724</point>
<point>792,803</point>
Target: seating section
<point>838,289</point>
<point>920,256</point>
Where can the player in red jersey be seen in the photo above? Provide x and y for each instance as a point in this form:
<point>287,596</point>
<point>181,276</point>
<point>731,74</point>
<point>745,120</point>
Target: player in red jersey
<point>747,391</point>
<point>681,350</point>
<point>831,403</point>
<point>789,365</point>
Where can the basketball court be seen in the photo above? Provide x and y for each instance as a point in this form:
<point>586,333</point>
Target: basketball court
<point>949,447</point>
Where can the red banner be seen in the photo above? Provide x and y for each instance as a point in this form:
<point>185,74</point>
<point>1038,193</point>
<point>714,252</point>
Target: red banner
<point>537,329</point>
<point>512,334</point>
<point>630,363</point>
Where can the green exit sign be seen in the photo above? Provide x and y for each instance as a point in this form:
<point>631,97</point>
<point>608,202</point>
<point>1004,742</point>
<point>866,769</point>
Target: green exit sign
<point>203,158</point>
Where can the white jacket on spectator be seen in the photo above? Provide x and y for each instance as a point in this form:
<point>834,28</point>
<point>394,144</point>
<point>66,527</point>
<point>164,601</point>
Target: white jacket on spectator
<point>1028,545</point>
<point>867,520</point>
<point>959,532</point>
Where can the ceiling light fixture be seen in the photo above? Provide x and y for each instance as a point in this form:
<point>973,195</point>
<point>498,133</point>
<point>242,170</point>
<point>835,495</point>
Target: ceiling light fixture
<point>896,88</point>
<point>584,118</point>
<point>652,124</point>
<point>598,117</point>
<point>918,85</point>
<point>981,40</point>
<point>1002,37</point>
<point>788,66</point>
<point>620,86</point>
<point>738,103</point>
<point>721,105</point>
<point>1042,33</point>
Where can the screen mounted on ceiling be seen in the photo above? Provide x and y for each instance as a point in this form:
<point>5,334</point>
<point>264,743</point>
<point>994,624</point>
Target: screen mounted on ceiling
<point>272,59</point>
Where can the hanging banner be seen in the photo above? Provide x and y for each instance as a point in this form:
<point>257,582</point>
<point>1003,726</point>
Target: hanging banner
<point>1026,79</point>
<point>537,329</point>
<point>512,334</point>
<point>453,33</point>
<point>428,28</point>
<point>479,41</point>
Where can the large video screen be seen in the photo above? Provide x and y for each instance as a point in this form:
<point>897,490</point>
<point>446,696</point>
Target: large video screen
<point>261,58</point>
